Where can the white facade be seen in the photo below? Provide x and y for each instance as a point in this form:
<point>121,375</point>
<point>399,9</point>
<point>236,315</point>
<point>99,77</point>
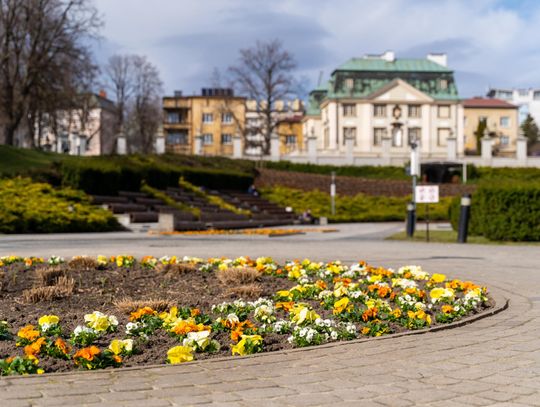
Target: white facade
<point>78,132</point>
<point>528,101</point>
<point>398,112</point>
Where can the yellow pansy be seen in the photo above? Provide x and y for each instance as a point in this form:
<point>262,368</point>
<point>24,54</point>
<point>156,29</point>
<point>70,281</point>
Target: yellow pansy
<point>118,346</point>
<point>223,266</point>
<point>179,354</point>
<point>48,320</point>
<point>341,305</point>
<point>302,314</point>
<point>170,317</point>
<point>340,290</point>
<point>240,347</point>
<point>438,292</point>
<point>438,278</point>
<point>284,294</point>
<point>102,260</point>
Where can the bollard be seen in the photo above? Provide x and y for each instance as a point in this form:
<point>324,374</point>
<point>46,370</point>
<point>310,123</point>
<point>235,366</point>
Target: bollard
<point>411,215</point>
<point>464,216</point>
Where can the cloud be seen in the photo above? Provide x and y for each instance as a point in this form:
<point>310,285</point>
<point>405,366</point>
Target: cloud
<point>489,42</point>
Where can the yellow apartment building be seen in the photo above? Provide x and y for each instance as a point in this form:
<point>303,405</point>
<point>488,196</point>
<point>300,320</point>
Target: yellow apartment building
<point>214,118</point>
<point>501,119</point>
<point>291,137</point>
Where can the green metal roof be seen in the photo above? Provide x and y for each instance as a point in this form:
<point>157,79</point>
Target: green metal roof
<point>398,65</point>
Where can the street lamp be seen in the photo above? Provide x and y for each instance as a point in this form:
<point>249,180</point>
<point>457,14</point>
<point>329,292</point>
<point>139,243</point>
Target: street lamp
<point>415,172</point>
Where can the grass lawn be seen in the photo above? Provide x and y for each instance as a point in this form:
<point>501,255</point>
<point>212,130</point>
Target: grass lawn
<point>448,236</point>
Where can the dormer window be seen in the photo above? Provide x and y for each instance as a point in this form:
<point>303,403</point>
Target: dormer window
<point>349,83</point>
<point>443,84</point>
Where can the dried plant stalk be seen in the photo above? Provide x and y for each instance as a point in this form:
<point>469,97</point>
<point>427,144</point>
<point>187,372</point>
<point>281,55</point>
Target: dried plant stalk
<point>238,275</point>
<point>63,288</point>
<point>180,268</point>
<point>128,305</point>
<point>83,263</point>
<point>49,275</point>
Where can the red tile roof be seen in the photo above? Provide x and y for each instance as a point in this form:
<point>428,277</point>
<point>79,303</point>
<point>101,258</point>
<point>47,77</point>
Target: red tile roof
<point>478,102</point>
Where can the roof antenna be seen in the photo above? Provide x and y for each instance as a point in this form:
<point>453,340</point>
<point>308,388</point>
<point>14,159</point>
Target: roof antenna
<point>320,78</point>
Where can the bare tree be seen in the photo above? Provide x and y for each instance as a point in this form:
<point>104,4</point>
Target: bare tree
<point>43,47</point>
<point>264,74</point>
<point>119,79</point>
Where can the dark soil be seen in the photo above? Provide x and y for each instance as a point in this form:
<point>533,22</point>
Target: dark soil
<point>97,290</point>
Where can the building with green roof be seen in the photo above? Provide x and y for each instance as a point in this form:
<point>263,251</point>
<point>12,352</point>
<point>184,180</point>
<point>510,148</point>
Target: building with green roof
<point>378,100</point>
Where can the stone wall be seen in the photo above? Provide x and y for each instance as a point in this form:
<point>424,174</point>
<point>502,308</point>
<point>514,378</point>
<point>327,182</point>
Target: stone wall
<point>348,185</point>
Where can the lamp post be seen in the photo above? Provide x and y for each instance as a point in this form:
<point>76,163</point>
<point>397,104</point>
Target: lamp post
<point>415,172</point>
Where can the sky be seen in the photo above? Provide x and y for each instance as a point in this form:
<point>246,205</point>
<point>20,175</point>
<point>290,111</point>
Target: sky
<point>490,43</point>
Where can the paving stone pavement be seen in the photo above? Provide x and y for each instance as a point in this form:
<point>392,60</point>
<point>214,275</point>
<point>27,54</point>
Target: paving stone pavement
<point>494,361</point>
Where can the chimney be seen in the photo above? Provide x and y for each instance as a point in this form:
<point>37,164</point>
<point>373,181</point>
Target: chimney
<point>389,56</point>
<point>438,57</point>
<point>102,94</point>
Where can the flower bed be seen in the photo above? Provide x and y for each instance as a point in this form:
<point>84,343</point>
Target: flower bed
<point>93,313</point>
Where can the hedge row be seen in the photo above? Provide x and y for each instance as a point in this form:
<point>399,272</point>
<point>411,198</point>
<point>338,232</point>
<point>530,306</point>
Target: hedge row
<point>106,176</point>
<point>31,207</point>
<point>503,212</point>
<point>358,208</point>
<point>366,171</point>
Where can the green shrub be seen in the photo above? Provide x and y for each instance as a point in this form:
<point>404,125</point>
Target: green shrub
<point>359,208</point>
<point>454,210</point>
<point>171,202</point>
<point>107,176</point>
<point>212,199</point>
<point>30,207</point>
<point>504,211</point>
<point>365,171</point>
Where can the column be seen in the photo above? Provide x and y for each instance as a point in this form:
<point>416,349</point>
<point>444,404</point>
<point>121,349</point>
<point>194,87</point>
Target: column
<point>274,147</point>
<point>237,146</point>
<point>312,149</point>
<point>121,145</point>
<point>160,141</point>
<point>451,148</point>
<point>386,144</point>
<point>487,143</point>
<point>82,145</point>
<point>198,145</point>
<point>521,150</point>
<point>349,150</point>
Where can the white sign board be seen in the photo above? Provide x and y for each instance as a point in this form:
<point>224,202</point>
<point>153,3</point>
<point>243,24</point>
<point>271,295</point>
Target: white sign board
<point>427,193</point>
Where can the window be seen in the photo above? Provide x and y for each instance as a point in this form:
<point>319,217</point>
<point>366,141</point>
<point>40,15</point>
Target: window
<point>207,139</point>
<point>226,118</point>
<point>442,137</point>
<point>443,84</point>
<point>349,132</point>
<point>349,83</point>
<point>252,122</point>
<point>523,92</point>
<point>207,118</point>
<point>444,111</point>
<point>504,121</point>
<point>349,110</point>
<point>226,138</point>
<point>536,95</point>
<point>415,111</point>
<point>290,139</point>
<point>379,110</point>
<point>177,137</point>
<point>378,134</point>
<point>173,117</point>
<point>415,135</point>
<point>505,140</point>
